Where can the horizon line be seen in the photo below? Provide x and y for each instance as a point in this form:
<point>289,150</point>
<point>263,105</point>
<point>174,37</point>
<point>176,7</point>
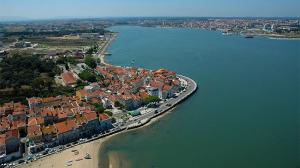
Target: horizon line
<point>21,19</point>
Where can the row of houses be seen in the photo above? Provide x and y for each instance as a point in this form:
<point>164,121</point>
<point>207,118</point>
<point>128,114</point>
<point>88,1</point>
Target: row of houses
<point>12,130</point>
<point>46,122</point>
<point>85,124</point>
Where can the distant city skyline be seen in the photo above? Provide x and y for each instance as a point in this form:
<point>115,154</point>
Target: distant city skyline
<point>49,9</point>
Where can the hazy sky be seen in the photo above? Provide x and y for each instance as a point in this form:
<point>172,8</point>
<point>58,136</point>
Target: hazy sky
<point>102,8</point>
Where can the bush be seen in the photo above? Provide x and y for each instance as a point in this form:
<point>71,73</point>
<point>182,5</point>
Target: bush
<point>151,99</point>
<point>87,76</point>
<point>90,61</point>
<point>99,108</point>
<point>108,113</point>
<point>118,104</point>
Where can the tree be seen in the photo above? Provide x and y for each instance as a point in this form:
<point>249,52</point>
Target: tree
<point>87,76</point>
<point>90,61</point>
<point>99,107</point>
<point>113,120</point>
<point>118,104</point>
<point>93,49</point>
<point>67,66</point>
<point>150,99</point>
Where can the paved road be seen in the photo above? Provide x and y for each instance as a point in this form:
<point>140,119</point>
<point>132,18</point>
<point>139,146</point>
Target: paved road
<point>167,105</point>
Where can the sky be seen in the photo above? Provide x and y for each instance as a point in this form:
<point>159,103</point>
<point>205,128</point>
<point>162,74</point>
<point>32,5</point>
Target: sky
<point>40,9</point>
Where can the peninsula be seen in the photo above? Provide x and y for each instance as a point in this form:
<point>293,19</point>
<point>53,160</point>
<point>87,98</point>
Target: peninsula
<point>86,100</point>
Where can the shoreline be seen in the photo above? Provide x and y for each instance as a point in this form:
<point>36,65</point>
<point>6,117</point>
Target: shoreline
<point>93,147</point>
<point>268,36</point>
<point>111,164</point>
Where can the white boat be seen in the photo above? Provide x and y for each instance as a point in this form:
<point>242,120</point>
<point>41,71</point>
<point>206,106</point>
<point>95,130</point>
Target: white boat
<point>87,156</point>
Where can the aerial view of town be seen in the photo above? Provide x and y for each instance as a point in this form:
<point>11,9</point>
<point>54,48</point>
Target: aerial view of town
<point>63,93</point>
<point>72,94</point>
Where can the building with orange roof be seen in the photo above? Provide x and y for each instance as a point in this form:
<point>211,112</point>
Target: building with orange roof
<point>12,141</point>
<point>2,145</point>
<point>34,133</point>
<point>167,92</point>
<point>68,78</point>
<point>105,122</point>
<point>88,124</point>
<point>67,131</point>
<point>35,137</point>
<point>10,146</point>
<point>47,114</point>
<point>34,102</point>
<point>93,124</point>
<point>35,121</point>
<point>49,136</point>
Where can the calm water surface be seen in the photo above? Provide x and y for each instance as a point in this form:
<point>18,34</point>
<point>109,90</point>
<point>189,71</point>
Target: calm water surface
<point>244,115</point>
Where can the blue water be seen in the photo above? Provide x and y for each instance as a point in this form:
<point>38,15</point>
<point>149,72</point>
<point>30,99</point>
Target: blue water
<point>245,113</point>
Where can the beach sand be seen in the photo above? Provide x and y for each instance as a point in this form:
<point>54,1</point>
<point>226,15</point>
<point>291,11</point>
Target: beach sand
<point>59,160</point>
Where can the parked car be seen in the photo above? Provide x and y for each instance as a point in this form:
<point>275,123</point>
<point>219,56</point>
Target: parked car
<point>21,161</point>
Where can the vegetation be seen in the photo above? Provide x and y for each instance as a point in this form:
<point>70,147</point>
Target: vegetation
<point>109,113</point>
<point>99,108</point>
<point>93,49</point>
<point>118,104</point>
<point>18,71</point>
<point>90,61</point>
<point>52,33</point>
<point>80,84</point>
<point>22,77</point>
<point>150,99</point>
<point>65,60</point>
<point>88,76</point>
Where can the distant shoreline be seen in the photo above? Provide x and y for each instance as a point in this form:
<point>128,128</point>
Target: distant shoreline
<point>271,36</point>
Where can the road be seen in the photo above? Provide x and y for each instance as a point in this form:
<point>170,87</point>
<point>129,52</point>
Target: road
<point>167,105</point>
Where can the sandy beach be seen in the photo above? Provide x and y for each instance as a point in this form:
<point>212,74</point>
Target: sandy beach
<point>75,161</point>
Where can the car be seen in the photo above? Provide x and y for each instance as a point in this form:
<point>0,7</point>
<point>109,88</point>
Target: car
<point>169,105</point>
<point>21,161</point>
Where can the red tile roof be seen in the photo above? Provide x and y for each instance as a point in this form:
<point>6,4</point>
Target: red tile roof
<point>2,139</point>
<point>35,121</point>
<point>91,116</point>
<point>103,117</point>
<point>51,129</point>
<point>68,78</point>
<point>167,88</point>
<point>65,126</point>
<point>33,131</point>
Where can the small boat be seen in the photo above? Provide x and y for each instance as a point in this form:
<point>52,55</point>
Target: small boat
<point>249,36</point>
<point>107,54</point>
<point>87,156</point>
<point>68,164</point>
<point>227,33</point>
